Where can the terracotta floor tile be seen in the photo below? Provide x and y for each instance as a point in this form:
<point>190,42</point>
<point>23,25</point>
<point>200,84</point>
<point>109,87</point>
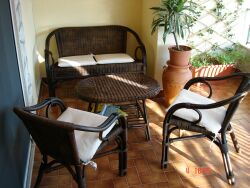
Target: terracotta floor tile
<point>145,186</point>
<point>100,184</point>
<point>168,185</point>
<point>140,146</point>
<point>153,178</point>
<point>91,173</point>
<point>174,179</point>
<point>64,179</point>
<point>134,155</point>
<point>120,183</point>
<point>114,164</point>
<point>132,177</point>
<point>142,166</point>
<point>49,180</point>
<point>107,174</point>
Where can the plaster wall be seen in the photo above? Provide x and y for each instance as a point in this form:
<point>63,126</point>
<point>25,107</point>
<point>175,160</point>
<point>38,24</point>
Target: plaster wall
<point>150,41</point>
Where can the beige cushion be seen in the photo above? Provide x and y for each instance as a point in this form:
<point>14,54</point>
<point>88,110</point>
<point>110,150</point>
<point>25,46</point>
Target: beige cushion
<point>113,58</point>
<point>211,118</point>
<point>76,61</point>
<point>87,142</point>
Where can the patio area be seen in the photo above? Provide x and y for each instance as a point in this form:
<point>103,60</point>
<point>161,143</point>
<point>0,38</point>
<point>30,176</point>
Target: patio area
<point>194,163</point>
<point>124,49</point>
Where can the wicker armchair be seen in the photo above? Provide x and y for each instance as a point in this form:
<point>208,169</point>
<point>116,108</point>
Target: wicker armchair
<point>73,41</point>
<point>206,117</point>
<point>74,139</point>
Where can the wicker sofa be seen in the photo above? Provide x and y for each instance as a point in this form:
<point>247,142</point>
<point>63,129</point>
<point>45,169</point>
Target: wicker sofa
<point>75,41</point>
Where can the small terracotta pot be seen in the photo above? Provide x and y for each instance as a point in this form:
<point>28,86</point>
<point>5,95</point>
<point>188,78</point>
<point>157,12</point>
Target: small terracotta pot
<point>173,79</point>
<point>180,58</point>
<point>213,70</point>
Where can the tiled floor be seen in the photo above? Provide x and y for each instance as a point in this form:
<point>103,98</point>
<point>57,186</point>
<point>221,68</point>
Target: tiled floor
<point>201,158</point>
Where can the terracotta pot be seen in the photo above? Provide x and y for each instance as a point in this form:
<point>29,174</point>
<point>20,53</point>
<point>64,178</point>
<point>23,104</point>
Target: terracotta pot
<point>213,70</point>
<point>180,58</point>
<point>173,79</point>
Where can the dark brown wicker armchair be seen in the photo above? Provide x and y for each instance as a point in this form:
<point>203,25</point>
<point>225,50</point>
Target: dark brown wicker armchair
<point>73,41</point>
<point>206,117</point>
<point>70,144</point>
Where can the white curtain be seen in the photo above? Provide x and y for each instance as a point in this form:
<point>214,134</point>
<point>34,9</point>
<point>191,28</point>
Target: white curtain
<point>21,51</point>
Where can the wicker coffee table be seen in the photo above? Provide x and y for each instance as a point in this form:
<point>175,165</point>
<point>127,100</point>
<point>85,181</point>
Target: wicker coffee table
<point>127,90</point>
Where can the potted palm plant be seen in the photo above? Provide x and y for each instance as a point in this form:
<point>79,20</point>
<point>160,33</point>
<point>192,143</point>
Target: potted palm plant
<point>176,17</point>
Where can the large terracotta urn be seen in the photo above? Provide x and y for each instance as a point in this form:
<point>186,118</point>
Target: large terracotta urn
<point>174,78</point>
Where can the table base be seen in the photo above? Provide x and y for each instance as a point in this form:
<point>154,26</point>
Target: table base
<point>137,115</point>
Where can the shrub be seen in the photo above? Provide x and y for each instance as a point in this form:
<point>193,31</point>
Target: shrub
<point>236,54</point>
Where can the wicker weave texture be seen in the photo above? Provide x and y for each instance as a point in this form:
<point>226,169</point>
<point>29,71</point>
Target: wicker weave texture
<point>117,88</point>
<point>78,41</point>
<point>77,72</point>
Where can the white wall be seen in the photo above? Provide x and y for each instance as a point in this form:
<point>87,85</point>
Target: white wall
<point>149,40</point>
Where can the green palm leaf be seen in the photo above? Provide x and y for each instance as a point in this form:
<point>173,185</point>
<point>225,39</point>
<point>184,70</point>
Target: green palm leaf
<point>176,17</point>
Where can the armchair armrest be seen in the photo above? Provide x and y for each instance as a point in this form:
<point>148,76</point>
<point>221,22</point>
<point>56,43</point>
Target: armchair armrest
<point>206,80</point>
<point>197,107</point>
<point>104,126</point>
<point>47,103</point>
<point>199,80</point>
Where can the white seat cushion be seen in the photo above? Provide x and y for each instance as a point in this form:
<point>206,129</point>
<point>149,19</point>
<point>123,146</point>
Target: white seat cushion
<point>113,58</point>
<point>211,118</point>
<point>87,142</point>
<point>76,61</point>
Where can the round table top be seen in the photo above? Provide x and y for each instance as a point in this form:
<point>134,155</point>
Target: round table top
<point>117,88</point>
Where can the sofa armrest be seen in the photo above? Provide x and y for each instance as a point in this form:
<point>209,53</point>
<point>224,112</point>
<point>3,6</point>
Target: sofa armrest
<point>143,55</point>
<point>141,47</point>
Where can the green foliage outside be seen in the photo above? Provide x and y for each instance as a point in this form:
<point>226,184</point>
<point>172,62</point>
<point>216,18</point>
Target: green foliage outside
<point>236,54</point>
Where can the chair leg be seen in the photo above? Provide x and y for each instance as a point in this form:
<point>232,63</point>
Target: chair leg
<point>41,171</point>
<point>40,175</point>
<point>228,168</point>
<point>235,141</point>
<point>138,112</point>
<point>80,177</point>
<point>123,162</point>
<point>123,152</point>
<point>165,147</point>
<point>227,161</point>
<point>90,107</point>
<point>145,117</point>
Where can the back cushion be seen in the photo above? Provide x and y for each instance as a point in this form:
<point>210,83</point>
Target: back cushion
<point>91,40</point>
